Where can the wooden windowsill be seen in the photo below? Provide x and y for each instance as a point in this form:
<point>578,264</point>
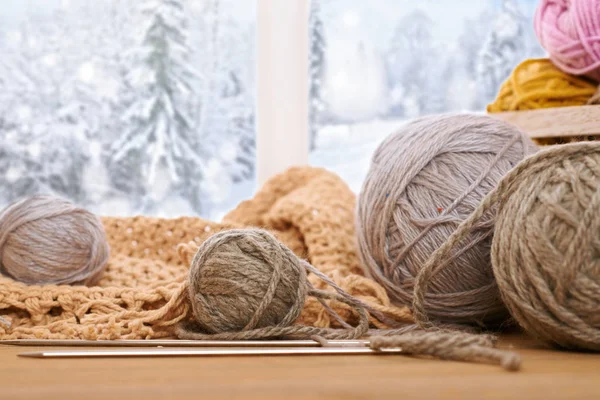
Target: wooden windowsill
<point>556,122</point>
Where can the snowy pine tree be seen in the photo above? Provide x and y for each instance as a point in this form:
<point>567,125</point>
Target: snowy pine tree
<point>506,46</point>
<point>225,104</point>
<point>63,159</point>
<point>471,41</point>
<point>410,59</point>
<point>316,71</point>
<point>159,152</point>
<point>46,104</point>
<point>236,105</point>
<point>463,90</point>
<point>16,167</point>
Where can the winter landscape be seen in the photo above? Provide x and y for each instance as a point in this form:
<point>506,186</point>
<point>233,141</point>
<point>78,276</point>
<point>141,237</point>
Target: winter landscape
<point>147,106</point>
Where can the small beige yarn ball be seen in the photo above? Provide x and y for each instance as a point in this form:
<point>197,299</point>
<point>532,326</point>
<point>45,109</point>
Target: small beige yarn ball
<point>245,279</point>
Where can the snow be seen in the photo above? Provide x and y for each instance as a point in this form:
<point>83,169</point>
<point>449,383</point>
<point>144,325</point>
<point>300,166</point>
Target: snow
<point>24,113</point>
<point>34,150</point>
<point>86,72</point>
<point>13,38</point>
<point>13,174</point>
<point>351,18</point>
<point>49,60</point>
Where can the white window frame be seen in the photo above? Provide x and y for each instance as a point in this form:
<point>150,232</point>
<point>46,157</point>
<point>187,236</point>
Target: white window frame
<point>282,96</point>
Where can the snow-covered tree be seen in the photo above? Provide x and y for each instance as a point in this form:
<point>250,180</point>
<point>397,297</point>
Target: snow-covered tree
<point>316,71</point>
<point>15,179</point>
<point>225,103</point>
<point>462,89</point>
<point>159,153</point>
<point>505,47</point>
<point>410,59</point>
<point>238,151</point>
<point>113,83</point>
<point>473,36</point>
<point>62,159</point>
<point>52,165</point>
<point>236,100</point>
<point>48,109</point>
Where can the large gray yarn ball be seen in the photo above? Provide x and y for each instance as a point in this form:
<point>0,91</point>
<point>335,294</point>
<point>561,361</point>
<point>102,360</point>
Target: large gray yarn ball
<point>424,180</point>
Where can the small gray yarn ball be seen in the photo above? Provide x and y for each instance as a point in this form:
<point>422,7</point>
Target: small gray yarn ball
<point>424,180</point>
<point>245,279</point>
<point>48,240</point>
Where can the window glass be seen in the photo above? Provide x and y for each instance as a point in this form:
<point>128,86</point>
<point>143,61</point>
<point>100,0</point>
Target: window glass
<point>377,63</point>
<point>128,107</point>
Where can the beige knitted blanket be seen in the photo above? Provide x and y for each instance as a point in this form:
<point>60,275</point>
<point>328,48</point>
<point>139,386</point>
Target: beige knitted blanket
<point>309,209</point>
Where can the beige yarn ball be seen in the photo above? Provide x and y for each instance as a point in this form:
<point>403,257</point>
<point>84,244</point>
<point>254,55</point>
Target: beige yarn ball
<point>241,280</point>
<point>424,180</point>
<point>546,247</point>
<point>47,240</point>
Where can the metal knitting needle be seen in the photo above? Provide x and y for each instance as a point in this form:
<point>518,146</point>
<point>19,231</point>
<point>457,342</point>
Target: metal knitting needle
<point>208,352</point>
<point>182,343</point>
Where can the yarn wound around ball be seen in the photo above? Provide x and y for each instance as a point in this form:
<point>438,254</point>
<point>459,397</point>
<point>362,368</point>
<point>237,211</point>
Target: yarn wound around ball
<point>569,30</point>
<point>47,240</point>
<point>424,180</point>
<point>245,284</point>
<point>538,83</point>
<point>545,251</point>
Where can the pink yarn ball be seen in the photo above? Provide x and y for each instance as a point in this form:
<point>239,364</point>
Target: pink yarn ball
<point>569,30</point>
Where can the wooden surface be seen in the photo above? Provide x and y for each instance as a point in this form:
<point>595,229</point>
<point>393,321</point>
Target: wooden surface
<point>546,374</point>
<point>556,122</point>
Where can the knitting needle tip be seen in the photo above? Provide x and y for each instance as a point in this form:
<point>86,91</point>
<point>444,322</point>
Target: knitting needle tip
<point>36,354</point>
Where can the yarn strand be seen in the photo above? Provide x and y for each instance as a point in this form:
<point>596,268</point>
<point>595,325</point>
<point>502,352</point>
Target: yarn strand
<point>455,346</point>
<point>190,331</point>
<point>379,315</point>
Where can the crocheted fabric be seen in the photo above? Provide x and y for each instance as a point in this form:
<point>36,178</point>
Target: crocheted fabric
<point>309,209</point>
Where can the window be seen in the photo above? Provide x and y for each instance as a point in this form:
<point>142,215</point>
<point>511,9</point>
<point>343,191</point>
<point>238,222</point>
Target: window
<point>128,107</point>
<point>378,63</point>
<point>148,107</point>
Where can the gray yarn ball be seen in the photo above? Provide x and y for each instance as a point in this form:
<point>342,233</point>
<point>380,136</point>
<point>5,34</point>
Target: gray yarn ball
<point>245,279</point>
<point>424,180</point>
<point>47,240</point>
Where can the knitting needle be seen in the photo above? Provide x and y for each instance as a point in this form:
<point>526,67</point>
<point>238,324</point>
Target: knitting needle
<point>182,343</point>
<point>208,352</point>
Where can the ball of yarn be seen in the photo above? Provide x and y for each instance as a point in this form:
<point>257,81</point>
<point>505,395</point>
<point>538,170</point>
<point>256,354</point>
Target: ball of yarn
<point>546,247</point>
<point>537,83</point>
<point>569,30</point>
<point>423,181</point>
<point>47,240</point>
<point>245,279</point>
